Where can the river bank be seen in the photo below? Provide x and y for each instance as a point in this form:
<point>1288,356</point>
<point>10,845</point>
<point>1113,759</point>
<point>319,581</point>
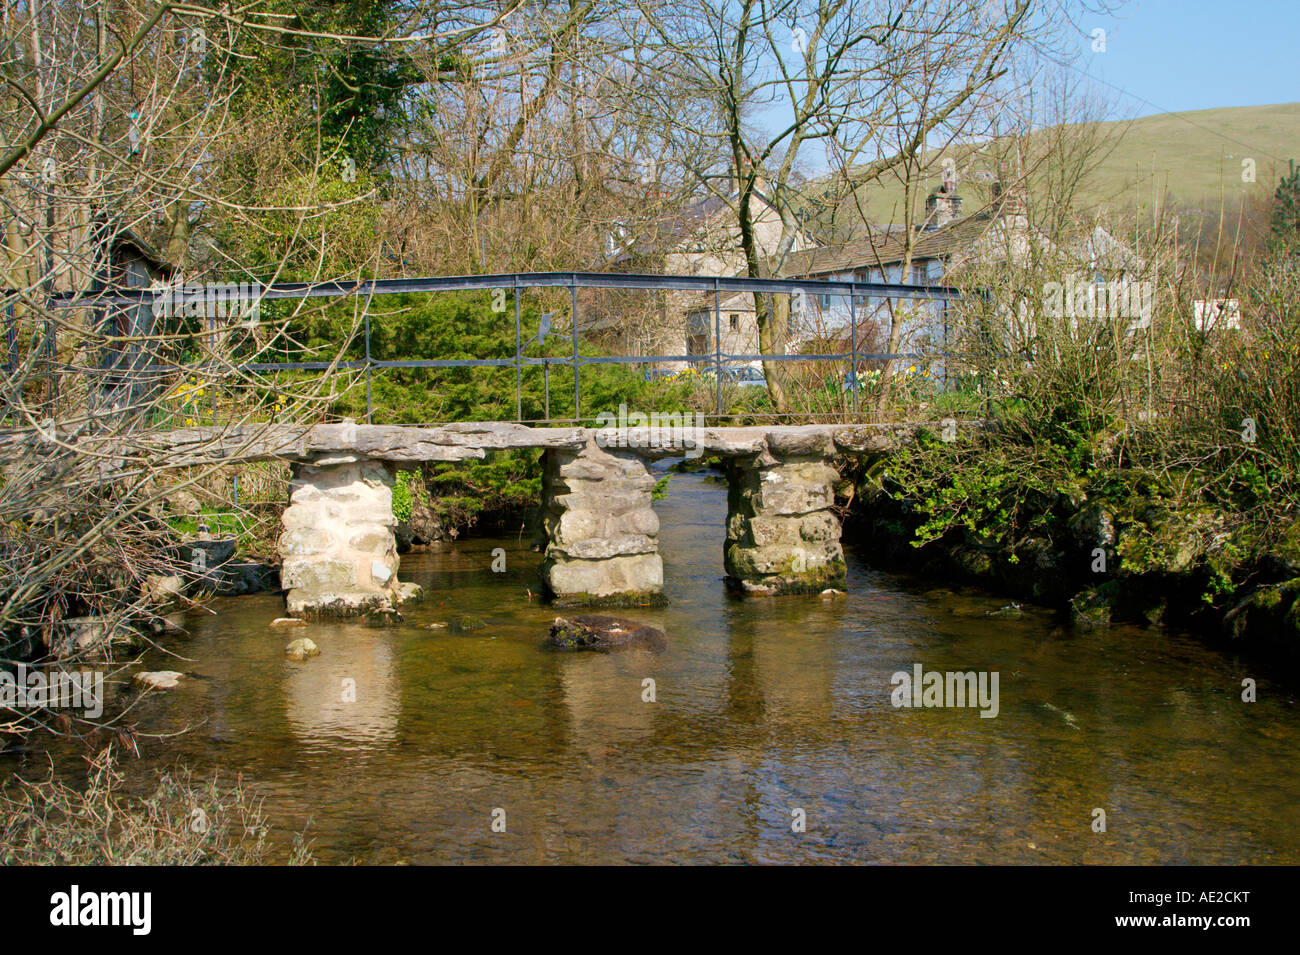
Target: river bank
<point>1100,562</point>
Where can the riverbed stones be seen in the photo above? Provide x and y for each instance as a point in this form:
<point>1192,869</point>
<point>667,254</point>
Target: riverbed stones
<point>599,632</point>
<point>601,531</point>
<point>782,535</point>
<point>338,549</point>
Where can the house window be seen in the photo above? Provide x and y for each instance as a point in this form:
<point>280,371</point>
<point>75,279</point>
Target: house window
<point>734,321</point>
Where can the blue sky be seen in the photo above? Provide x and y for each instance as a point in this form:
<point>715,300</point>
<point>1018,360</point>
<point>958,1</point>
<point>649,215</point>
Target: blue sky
<point>1176,56</point>
<point>1179,55</point>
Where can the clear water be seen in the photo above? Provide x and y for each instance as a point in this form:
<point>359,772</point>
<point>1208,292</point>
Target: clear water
<point>762,707</point>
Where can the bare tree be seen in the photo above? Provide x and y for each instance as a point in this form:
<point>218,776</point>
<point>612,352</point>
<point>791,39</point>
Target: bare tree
<point>133,163</point>
<point>792,76</point>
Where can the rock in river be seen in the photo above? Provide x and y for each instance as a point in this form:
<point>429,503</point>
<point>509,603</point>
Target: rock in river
<point>467,623</point>
<point>159,679</point>
<point>598,632</point>
<point>301,649</point>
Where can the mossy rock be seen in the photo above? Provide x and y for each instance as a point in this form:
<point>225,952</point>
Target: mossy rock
<point>301,649</point>
<point>467,623</point>
<point>597,632</point>
<point>1091,609</point>
<point>1286,551</point>
<point>972,562</point>
<point>635,598</point>
<point>833,575</point>
<point>1154,614</point>
<point>1270,613</point>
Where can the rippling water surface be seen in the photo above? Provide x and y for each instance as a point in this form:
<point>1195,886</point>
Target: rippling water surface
<point>762,707</point>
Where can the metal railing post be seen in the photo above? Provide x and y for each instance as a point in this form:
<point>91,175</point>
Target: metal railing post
<point>519,367</point>
<point>717,342</point>
<point>577,415</point>
<point>853,323</point>
<point>369,403</point>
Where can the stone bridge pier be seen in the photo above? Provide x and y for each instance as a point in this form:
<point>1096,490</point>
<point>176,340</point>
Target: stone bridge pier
<point>601,532</point>
<point>783,537</point>
<point>338,552</point>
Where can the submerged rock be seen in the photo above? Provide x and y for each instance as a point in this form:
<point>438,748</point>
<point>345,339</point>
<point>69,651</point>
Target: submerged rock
<point>1091,609</point>
<point>321,604</point>
<point>159,679</point>
<point>598,632</point>
<point>409,592</point>
<point>301,649</point>
<point>1010,610</point>
<point>467,624</point>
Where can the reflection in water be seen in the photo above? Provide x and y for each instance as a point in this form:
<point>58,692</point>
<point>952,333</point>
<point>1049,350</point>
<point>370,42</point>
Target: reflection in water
<point>351,696</point>
<point>762,706</point>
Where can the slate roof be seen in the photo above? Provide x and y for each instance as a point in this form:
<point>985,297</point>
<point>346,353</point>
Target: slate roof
<point>887,247</point>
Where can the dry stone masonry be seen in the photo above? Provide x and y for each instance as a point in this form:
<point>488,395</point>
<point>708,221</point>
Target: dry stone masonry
<point>782,535</point>
<point>338,550</point>
<point>601,532</point>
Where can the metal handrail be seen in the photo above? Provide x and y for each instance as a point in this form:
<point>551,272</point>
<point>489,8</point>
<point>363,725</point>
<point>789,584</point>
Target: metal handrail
<point>181,295</point>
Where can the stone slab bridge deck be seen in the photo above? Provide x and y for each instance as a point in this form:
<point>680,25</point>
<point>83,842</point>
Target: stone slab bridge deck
<point>601,533</point>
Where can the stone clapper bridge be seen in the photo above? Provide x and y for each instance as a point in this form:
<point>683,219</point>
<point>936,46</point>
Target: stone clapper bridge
<point>601,534</point>
<point>338,548</point>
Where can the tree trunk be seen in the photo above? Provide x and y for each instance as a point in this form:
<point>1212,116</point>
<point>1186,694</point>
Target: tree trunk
<point>772,317</point>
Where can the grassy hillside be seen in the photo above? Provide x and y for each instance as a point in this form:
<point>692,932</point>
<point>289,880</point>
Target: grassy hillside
<point>1195,157</point>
